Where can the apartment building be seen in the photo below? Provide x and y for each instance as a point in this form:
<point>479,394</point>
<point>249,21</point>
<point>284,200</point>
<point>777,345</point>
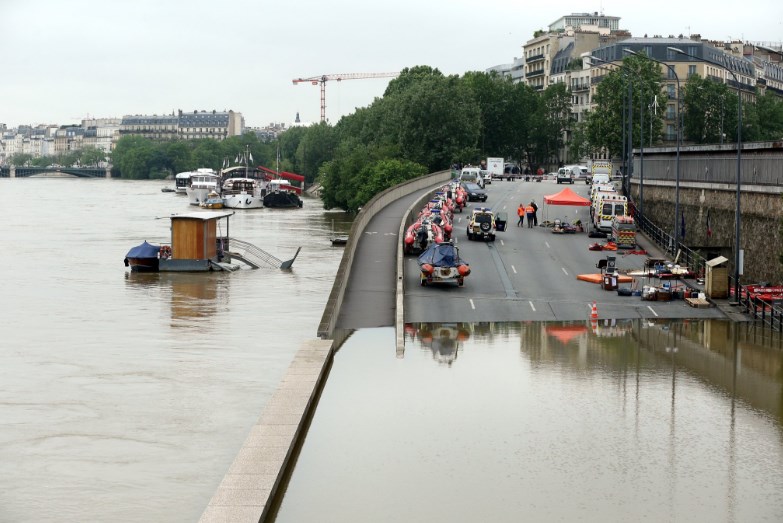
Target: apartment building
<point>184,125</point>
<point>681,68</point>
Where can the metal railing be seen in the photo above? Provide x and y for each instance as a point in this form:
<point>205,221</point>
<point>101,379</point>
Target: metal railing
<point>770,313</point>
<point>687,257</point>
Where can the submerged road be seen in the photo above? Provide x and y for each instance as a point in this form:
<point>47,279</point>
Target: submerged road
<point>527,274</point>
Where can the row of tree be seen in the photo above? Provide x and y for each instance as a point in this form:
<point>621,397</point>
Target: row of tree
<point>707,109</point>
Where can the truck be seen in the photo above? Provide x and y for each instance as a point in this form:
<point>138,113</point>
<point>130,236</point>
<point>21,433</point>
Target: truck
<point>602,168</point>
<point>495,168</point>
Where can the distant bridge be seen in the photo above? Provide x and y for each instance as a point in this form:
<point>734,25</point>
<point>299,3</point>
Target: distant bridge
<point>23,172</point>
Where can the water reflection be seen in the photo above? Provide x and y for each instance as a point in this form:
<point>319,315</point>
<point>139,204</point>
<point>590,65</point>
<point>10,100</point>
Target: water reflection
<point>442,339</point>
<point>605,421</point>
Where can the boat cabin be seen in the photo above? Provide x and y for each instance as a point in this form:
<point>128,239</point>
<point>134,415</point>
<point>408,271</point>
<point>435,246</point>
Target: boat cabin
<point>198,241</point>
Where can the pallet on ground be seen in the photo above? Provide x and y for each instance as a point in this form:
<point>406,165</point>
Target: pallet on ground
<point>699,303</point>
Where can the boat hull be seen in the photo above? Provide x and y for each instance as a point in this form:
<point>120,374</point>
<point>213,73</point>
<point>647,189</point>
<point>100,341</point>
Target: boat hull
<point>243,201</point>
<point>282,200</point>
<point>142,264</point>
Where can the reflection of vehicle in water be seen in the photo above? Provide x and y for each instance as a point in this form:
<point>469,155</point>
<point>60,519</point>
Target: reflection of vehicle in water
<point>442,339</point>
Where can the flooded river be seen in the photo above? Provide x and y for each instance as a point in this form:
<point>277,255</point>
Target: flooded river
<point>126,397</point>
<point>617,421</point>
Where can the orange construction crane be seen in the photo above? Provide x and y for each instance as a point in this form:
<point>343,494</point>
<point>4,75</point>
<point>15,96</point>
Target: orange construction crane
<point>316,80</point>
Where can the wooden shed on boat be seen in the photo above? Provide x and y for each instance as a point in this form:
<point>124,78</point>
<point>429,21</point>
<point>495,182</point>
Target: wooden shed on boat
<point>199,241</point>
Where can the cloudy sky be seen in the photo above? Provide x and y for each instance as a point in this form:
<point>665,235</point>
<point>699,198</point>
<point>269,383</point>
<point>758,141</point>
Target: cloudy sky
<point>65,59</point>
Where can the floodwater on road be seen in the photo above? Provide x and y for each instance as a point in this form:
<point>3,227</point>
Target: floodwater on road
<point>607,421</point>
<point>125,397</point>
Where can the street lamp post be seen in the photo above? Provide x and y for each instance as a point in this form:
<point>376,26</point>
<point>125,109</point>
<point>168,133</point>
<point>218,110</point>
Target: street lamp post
<point>677,161</point>
<point>627,146</point>
<point>738,215</point>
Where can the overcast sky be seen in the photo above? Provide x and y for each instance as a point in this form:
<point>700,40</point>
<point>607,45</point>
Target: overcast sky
<point>65,59</point>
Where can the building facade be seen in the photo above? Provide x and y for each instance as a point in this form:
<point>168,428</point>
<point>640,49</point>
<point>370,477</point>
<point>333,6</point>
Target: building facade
<point>186,126</point>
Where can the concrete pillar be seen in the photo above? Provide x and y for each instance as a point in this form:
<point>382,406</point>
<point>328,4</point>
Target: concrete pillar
<point>108,171</point>
<point>12,171</point>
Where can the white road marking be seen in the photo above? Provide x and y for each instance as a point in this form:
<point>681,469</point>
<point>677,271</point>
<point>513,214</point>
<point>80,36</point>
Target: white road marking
<point>390,234</point>
<point>514,269</point>
<point>501,242</point>
<point>370,232</point>
<point>532,306</point>
<point>473,305</point>
<point>547,245</point>
<point>565,271</point>
<point>651,310</point>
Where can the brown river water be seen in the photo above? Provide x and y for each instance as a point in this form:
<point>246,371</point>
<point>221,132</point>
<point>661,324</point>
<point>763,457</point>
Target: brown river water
<point>126,397</point>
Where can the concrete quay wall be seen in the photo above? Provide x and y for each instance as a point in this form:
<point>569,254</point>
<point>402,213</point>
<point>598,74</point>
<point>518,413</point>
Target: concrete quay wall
<point>248,490</point>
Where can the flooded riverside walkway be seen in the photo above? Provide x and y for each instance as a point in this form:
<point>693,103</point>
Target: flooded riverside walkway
<point>668,420</point>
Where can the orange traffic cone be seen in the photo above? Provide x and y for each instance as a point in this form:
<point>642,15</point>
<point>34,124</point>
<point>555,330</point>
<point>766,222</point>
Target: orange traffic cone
<point>594,312</point>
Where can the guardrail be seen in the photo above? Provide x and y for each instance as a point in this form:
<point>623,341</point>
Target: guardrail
<point>328,322</point>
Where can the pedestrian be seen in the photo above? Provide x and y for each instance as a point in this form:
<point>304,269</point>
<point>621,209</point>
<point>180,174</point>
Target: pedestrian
<point>521,214</point>
<point>535,212</point>
<point>530,213</point>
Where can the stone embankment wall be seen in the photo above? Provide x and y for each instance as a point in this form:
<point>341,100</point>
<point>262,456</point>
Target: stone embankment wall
<point>760,236</point>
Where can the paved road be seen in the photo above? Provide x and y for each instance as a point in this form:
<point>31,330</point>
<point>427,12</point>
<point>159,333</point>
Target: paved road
<point>370,297</point>
<point>530,274</point>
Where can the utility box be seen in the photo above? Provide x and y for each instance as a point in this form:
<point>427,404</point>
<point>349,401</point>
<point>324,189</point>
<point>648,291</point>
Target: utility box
<point>716,284</point>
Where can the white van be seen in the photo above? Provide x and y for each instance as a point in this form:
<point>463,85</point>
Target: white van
<point>473,175</point>
<point>599,178</point>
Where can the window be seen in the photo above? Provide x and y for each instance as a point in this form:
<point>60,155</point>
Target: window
<point>670,113</point>
<point>670,90</point>
<point>691,70</point>
<point>670,73</point>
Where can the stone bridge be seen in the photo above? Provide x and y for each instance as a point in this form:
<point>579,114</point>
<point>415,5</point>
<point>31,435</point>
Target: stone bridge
<point>23,172</point>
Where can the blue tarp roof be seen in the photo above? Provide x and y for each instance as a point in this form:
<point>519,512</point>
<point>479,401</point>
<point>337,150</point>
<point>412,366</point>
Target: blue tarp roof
<point>145,250</point>
<point>441,255</point>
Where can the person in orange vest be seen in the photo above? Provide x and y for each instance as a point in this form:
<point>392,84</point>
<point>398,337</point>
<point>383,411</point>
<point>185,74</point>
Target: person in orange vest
<point>530,211</point>
<point>521,214</point>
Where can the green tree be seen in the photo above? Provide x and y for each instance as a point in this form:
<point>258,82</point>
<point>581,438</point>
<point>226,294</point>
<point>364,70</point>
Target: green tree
<point>604,129</point>
<point>770,109</point>
<point>132,157</point>
<point>707,110</point>
<point>550,121</point>
<point>91,156</point>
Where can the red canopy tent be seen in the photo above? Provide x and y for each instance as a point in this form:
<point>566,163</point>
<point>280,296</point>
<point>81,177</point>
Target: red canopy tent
<point>566,197</point>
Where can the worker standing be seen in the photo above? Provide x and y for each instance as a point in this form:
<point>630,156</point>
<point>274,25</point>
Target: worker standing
<point>535,212</point>
<point>521,214</point>
<point>530,211</point>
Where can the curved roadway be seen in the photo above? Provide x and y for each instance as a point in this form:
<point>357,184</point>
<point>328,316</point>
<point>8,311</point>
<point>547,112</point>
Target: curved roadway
<point>527,274</point>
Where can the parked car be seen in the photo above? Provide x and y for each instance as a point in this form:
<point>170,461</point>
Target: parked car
<point>565,176</point>
<point>474,192</point>
<point>472,175</point>
<point>483,223</point>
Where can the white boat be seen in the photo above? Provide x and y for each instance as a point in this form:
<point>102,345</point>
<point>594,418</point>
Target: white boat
<point>244,193</point>
<point>202,182</point>
<point>181,182</point>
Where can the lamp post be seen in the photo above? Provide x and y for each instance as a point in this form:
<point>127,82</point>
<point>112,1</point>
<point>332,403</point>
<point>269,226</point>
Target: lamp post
<point>678,139</point>
<point>627,146</point>
<point>737,216</point>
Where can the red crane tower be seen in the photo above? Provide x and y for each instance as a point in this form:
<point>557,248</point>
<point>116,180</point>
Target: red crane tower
<point>322,79</point>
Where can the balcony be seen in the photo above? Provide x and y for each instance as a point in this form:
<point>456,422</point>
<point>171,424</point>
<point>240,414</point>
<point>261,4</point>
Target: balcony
<point>578,88</point>
<point>535,58</point>
<point>533,74</point>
